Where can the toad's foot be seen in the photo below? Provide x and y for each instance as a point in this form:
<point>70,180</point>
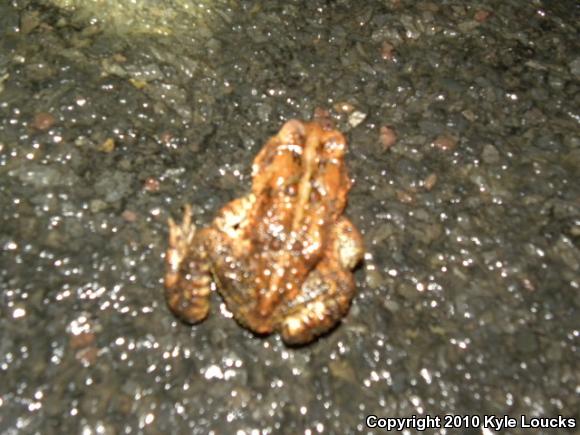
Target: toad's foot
<point>180,238</point>
<point>187,275</point>
<point>334,292</point>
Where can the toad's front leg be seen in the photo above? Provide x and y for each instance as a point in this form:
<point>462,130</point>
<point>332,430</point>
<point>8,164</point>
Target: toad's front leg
<point>187,271</point>
<point>328,290</point>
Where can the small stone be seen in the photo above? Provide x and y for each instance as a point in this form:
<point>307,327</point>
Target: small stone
<point>83,141</point>
<point>556,81</point>
<point>490,154</point>
<point>528,284</point>
<point>97,205</point>
<point>129,216</point>
<point>29,21</point>
<point>137,83</point>
<point>114,185</point>
<point>343,107</point>
<point>467,26</point>
<point>264,111</point>
<point>387,51</point>
<point>87,356</point>
<point>111,67</point>
<point>107,146</point>
<point>388,137</point>
<point>445,142</point>
<point>404,197</point>
<point>406,290</point>
<point>382,232</point>
<point>431,233</point>
<point>356,118</point>
<point>574,66</point>
<point>151,185</point>
<point>43,121</point>
<point>481,15</point>
<point>118,57</point>
<point>469,115</point>
<point>430,181</point>
<point>42,175</point>
<point>166,137</point>
<point>82,340</point>
<point>373,278</point>
<point>391,306</point>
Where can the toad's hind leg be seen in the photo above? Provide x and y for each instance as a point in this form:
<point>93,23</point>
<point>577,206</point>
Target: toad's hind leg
<point>322,313</point>
<point>328,289</point>
<point>187,271</point>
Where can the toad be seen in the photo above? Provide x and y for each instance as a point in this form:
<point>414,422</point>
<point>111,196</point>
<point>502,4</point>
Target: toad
<point>282,256</point>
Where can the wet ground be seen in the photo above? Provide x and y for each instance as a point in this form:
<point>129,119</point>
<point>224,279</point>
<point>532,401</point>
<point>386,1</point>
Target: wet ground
<point>463,121</point>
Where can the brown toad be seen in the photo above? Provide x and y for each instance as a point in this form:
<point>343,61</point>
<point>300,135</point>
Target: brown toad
<point>281,257</point>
